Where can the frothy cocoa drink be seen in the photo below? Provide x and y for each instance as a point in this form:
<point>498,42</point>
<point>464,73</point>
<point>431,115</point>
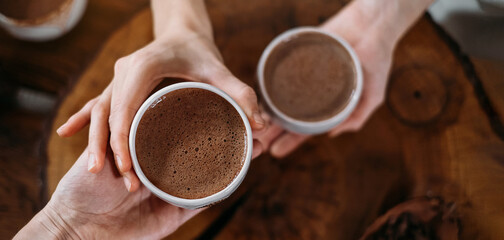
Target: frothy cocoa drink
<point>310,77</point>
<point>30,9</point>
<point>191,143</point>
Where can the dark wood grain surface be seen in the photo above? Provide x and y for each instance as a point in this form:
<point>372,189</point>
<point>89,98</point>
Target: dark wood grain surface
<point>439,134</point>
<point>50,69</point>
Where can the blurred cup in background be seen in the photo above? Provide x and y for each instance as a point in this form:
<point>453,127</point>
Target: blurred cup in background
<point>40,20</point>
<point>310,80</point>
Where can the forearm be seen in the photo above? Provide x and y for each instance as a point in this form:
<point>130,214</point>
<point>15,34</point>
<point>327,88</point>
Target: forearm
<point>45,225</point>
<point>173,15</point>
<point>393,17</point>
<point>57,222</point>
<point>387,20</point>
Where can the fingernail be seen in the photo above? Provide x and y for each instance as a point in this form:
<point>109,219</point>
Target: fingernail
<point>58,131</point>
<point>91,162</point>
<point>334,133</point>
<point>127,183</point>
<point>273,149</point>
<point>258,119</point>
<point>277,151</point>
<point>257,150</point>
<point>118,162</point>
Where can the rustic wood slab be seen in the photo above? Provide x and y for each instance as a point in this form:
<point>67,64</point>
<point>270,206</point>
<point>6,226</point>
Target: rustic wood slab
<point>49,68</point>
<point>438,134</point>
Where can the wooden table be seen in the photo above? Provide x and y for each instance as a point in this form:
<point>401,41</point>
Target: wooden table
<point>51,68</point>
<point>440,133</point>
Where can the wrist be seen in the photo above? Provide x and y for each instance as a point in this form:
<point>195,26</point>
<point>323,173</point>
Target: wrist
<point>57,223</point>
<point>171,17</point>
<point>384,21</point>
<point>49,224</point>
<point>390,19</point>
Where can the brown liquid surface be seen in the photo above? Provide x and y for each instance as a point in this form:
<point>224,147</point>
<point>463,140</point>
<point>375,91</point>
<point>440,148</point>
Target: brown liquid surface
<point>191,144</point>
<point>310,77</point>
<point>29,9</point>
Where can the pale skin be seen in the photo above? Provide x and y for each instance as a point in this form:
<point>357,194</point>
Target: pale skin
<point>97,206</point>
<point>372,28</point>
<point>91,202</point>
<point>184,48</point>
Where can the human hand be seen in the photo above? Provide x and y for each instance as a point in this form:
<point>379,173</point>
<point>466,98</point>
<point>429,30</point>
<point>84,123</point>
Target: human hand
<point>181,53</point>
<point>96,206</point>
<point>373,29</point>
<point>375,53</point>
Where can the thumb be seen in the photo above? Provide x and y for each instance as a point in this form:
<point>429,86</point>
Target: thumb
<point>243,94</point>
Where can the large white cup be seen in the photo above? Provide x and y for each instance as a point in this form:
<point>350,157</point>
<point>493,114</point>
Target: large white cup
<point>182,202</point>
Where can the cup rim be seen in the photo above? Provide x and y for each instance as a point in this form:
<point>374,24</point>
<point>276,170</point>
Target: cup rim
<point>46,29</point>
<point>183,202</point>
<point>40,21</point>
<point>310,127</point>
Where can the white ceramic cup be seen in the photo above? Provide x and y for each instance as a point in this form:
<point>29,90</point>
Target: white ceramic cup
<point>182,202</point>
<point>48,28</point>
<point>305,127</point>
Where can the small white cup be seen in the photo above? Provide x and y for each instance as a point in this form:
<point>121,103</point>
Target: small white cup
<point>48,28</point>
<point>182,202</point>
<point>305,127</point>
